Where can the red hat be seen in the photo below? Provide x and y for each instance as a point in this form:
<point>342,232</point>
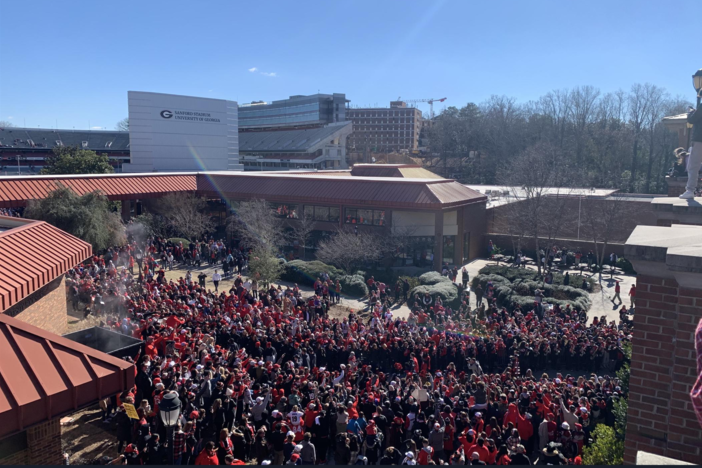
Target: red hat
<point>157,380</point>
<point>194,414</point>
<point>294,457</point>
<point>131,448</point>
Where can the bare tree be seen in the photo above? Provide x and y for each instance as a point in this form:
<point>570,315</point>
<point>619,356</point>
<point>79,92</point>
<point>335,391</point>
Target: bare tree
<point>6,124</point>
<point>256,223</point>
<point>349,250</point>
<point>302,230</point>
<point>657,97</point>
<point>537,177</point>
<point>186,214</point>
<point>639,113</point>
<point>603,218</point>
<point>123,125</point>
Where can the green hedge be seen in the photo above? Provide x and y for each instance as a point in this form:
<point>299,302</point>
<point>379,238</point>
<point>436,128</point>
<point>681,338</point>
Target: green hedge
<point>517,286</point>
<point>353,285</point>
<point>437,285</point>
<point>175,240</point>
<point>626,266</point>
<point>432,277</point>
<point>301,272</point>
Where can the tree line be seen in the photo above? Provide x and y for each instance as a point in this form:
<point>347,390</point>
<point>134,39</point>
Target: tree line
<point>606,140</point>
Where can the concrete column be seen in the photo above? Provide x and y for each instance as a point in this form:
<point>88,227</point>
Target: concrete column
<point>126,210</point>
<point>438,239</point>
<point>458,247</point>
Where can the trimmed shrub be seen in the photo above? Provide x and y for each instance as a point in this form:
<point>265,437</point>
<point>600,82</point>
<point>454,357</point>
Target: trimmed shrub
<point>353,285</point>
<point>518,286</point>
<point>432,277</point>
<point>175,240</point>
<point>626,266</point>
<point>445,289</point>
<point>301,272</point>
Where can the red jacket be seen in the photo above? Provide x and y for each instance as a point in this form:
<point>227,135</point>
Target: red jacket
<point>205,459</point>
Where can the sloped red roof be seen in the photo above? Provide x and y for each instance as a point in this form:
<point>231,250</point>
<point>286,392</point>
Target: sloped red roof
<point>43,375</point>
<point>386,192</point>
<point>15,191</point>
<point>33,254</point>
<point>389,192</point>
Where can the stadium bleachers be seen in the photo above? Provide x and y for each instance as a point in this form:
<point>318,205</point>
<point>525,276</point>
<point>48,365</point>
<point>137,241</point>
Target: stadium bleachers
<point>98,140</point>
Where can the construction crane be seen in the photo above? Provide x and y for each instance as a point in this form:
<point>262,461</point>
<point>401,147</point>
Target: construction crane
<point>431,102</point>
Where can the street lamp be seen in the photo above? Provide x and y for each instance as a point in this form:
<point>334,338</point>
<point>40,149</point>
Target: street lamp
<point>169,410</point>
<point>697,83</point>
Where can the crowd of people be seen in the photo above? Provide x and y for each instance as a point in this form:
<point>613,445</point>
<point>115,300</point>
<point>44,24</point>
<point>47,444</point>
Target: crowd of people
<point>268,376</point>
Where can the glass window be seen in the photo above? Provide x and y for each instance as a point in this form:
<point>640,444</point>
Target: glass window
<point>365,216</point>
<point>379,218</point>
<point>334,215</point>
<point>283,210</point>
<point>351,216</point>
<point>449,247</point>
<point>321,213</point>
<point>309,211</point>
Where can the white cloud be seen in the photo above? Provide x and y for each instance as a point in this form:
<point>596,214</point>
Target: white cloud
<point>97,128</point>
<point>253,70</point>
<point>10,117</point>
<point>271,74</point>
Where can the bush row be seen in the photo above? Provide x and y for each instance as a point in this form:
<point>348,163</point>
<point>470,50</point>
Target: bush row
<point>301,272</point>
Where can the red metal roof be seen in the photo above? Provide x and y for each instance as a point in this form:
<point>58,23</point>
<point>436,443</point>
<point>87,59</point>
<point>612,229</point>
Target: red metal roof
<point>16,191</point>
<point>33,254</point>
<point>385,192</point>
<point>43,375</point>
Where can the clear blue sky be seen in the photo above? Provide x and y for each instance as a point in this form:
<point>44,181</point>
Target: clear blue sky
<point>74,61</point>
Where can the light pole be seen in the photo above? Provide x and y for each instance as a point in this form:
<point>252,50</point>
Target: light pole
<point>169,410</point>
<point>19,171</point>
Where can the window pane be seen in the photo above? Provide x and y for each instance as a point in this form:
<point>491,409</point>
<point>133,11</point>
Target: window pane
<point>351,215</point>
<point>309,211</point>
<point>334,215</point>
<point>379,218</point>
<point>365,216</point>
<point>283,210</point>
<point>321,213</point>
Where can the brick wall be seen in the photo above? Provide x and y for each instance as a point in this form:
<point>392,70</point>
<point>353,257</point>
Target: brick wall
<point>661,419</point>
<point>638,213</point>
<point>44,443</point>
<point>49,313</point>
<point>19,458</point>
<point>43,446</point>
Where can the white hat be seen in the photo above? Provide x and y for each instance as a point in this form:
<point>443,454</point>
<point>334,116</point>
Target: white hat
<point>478,414</point>
<point>475,456</point>
<point>409,455</point>
<point>565,426</point>
<point>266,462</point>
<point>298,448</point>
<point>259,400</point>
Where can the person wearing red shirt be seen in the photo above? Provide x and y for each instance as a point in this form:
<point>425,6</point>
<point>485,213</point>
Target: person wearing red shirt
<point>479,448</point>
<point>632,296</point>
<point>208,456</point>
<point>426,454</point>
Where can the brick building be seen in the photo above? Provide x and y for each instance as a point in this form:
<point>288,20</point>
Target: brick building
<point>447,219</point>
<point>384,129</point>
<point>668,259</point>
<point>44,377</point>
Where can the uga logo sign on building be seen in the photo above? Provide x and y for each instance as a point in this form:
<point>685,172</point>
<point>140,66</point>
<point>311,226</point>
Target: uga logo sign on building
<point>170,133</point>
